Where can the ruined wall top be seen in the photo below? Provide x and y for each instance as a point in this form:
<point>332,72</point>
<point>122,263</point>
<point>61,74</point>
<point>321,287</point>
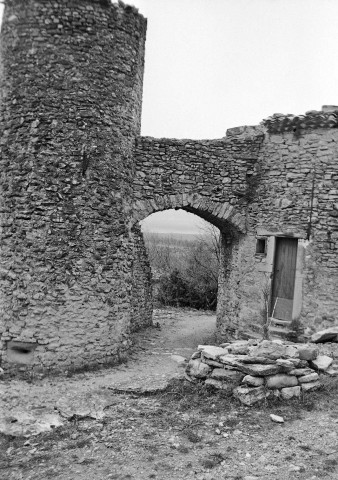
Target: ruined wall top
<point>117,6</point>
<point>313,119</point>
<point>279,123</point>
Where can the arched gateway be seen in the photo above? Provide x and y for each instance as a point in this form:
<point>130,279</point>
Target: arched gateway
<point>76,178</point>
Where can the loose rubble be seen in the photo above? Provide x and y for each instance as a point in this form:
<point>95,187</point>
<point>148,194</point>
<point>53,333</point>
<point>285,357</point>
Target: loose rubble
<point>254,370</point>
<point>327,335</point>
<point>276,418</point>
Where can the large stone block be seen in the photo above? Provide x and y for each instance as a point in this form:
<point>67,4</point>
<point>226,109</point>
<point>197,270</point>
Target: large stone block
<point>290,392</point>
<point>198,369</point>
<point>238,348</point>
<point>281,381</point>
<point>307,352</point>
<point>291,352</point>
<point>253,381</point>
<point>254,359</point>
<point>232,376</point>
<point>250,396</point>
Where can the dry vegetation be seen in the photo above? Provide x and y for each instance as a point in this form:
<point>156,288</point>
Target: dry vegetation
<point>185,268</point>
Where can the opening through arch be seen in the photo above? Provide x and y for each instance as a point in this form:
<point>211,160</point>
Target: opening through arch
<point>230,228</point>
<point>184,254</point>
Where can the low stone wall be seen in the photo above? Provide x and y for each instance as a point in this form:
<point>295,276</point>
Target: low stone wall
<point>253,370</point>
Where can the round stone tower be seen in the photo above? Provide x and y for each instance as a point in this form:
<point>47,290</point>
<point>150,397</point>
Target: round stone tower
<point>71,91</point>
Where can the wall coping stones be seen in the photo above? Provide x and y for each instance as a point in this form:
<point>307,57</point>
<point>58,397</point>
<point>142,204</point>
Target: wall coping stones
<point>279,123</point>
<point>251,130</point>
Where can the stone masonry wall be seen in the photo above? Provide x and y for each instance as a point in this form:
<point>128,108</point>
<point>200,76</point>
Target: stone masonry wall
<point>76,178</point>
<point>142,304</point>
<point>296,196</point>
<point>71,88</point>
<point>279,183</point>
<point>212,178</point>
<point>301,197</point>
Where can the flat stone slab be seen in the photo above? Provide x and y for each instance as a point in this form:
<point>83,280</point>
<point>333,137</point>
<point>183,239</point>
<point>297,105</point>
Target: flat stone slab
<point>260,370</point>
<point>231,360</point>
<point>307,387</point>
<point>269,349</point>
<point>329,334</point>
<point>89,405</point>
<point>26,424</point>
<point>140,387</point>
<point>256,370</point>
<point>312,377</point>
<point>254,359</point>
<point>322,362</point>
<point>332,371</point>
<point>290,392</point>
<point>213,363</point>
<point>209,351</point>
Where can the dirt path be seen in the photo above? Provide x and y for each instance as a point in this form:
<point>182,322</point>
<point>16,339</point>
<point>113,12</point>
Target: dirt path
<point>153,362</point>
<point>183,433</point>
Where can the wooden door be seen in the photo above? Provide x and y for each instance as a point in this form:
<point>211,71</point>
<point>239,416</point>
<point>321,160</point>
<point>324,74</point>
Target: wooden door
<point>283,283</point>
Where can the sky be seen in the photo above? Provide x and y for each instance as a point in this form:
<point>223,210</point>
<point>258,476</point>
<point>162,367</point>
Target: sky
<point>216,64</point>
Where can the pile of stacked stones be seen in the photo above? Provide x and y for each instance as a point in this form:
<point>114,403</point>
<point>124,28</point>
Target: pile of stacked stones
<point>254,370</point>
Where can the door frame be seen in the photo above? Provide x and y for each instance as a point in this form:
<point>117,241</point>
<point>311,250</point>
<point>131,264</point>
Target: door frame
<point>266,265</point>
<point>273,275</point>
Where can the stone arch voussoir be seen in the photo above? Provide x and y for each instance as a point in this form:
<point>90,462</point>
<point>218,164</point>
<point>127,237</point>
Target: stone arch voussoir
<point>216,212</point>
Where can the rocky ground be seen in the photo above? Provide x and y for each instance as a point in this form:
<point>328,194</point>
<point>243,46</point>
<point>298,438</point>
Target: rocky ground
<point>175,431</point>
